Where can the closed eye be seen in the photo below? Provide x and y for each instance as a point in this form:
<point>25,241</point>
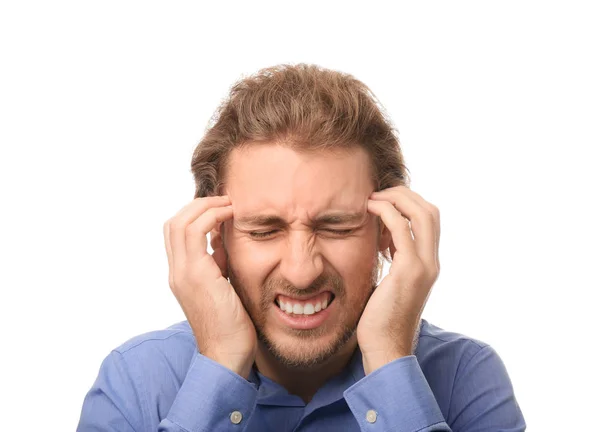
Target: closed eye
<point>265,234</point>
<point>338,232</point>
<point>262,234</point>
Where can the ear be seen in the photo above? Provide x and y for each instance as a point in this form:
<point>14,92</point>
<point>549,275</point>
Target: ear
<point>385,236</point>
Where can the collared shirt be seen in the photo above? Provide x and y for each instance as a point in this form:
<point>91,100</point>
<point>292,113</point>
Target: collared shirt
<point>159,381</point>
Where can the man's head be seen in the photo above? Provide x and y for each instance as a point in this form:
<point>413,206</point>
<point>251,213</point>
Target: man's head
<point>299,149</point>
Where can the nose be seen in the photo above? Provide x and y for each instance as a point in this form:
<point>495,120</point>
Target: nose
<point>301,262</point>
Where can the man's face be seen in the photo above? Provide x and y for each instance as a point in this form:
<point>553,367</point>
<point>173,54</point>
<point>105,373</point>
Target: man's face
<point>301,236</point>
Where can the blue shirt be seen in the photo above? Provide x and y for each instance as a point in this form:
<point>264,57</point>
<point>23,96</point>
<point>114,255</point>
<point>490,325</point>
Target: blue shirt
<point>159,381</point>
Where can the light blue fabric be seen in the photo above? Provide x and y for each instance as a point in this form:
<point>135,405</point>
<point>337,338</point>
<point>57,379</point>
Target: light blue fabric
<point>160,382</point>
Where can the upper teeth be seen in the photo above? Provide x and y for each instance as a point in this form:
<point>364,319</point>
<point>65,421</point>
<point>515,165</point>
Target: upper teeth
<point>309,308</point>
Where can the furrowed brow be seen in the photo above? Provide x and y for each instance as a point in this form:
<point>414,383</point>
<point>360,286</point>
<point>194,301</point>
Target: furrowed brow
<point>327,219</point>
<point>260,220</point>
<point>340,218</point>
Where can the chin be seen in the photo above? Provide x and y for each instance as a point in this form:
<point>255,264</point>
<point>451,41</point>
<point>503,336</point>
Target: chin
<point>306,349</point>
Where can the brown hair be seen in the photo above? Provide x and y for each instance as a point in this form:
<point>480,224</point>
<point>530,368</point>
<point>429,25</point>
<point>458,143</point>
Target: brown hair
<point>303,106</point>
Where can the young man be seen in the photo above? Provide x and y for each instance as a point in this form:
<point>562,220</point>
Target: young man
<point>302,187</point>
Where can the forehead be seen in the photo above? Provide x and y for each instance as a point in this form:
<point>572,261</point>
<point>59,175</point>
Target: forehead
<point>270,178</point>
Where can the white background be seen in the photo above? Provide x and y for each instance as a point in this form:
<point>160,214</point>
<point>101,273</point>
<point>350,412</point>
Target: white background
<point>102,104</point>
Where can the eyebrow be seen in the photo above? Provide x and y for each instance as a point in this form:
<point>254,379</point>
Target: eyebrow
<point>340,218</point>
<point>260,220</point>
<point>326,219</point>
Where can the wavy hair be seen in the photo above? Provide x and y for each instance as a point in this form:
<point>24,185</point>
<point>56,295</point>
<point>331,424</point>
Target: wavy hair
<point>306,107</point>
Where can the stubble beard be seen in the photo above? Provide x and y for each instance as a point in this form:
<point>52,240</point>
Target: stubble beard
<point>305,352</point>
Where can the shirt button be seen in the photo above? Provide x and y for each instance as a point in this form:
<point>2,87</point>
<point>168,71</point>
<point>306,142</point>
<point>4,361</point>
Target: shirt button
<point>235,417</point>
<point>371,416</point>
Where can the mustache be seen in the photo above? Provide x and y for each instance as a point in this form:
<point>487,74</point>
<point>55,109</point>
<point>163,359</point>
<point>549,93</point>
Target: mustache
<point>325,282</point>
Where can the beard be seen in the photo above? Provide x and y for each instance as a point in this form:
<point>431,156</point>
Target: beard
<point>306,351</point>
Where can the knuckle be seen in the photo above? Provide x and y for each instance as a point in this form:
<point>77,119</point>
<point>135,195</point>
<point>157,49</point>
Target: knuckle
<point>431,216</point>
<point>432,275</point>
<point>179,281</point>
<point>211,212</point>
<point>167,229</point>
<point>417,270</point>
<point>191,230</point>
<point>426,215</point>
<point>388,206</point>
<point>434,212</point>
<point>176,225</point>
<point>404,222</point>
<point>420,270</point>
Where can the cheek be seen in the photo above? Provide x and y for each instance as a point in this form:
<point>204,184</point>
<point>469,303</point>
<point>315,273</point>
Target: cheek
<point>352,258</point>
<point>251,260</point>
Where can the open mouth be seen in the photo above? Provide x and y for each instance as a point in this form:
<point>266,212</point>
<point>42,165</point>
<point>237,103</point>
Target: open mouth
<point>310,306</point>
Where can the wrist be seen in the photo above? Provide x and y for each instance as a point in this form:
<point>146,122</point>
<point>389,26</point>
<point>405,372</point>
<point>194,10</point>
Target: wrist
<point>241,365</point>
<point>375,360</point>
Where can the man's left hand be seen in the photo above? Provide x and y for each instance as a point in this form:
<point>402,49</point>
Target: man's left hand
<point>391,318</point>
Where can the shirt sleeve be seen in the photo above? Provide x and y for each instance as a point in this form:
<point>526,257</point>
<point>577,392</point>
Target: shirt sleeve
<point>483,398</point>
<point>211,398</point>
<point>112,404</point>
<point>395,397</point>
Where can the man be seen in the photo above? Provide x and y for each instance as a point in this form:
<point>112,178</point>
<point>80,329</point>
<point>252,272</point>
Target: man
<point>302,187</point>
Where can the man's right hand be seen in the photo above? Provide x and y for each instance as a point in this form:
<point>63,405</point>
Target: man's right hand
<point>223,329</point>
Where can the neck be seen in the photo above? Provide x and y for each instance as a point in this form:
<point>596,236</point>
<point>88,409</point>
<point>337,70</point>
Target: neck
<point>304,382</point>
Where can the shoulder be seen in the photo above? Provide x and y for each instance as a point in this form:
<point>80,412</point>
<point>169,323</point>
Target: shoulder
<point>435,341</point>
<point>160,355</point>
<point>157,363</point>
<point>178,337</point>
<point>450,359</point>
<point>144,374</point>
<point>443,351</point>
<point>468,379</point>
<point>443,354</point>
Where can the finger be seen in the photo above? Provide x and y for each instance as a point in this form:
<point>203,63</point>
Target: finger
<point>179,223</point>
<point>195,235</point>
<point>200,205</point>
<point>436,216</point>
<point>398,226</point>
<point>422,222</point>
<point>392,249</point>
<point>167,235</point>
